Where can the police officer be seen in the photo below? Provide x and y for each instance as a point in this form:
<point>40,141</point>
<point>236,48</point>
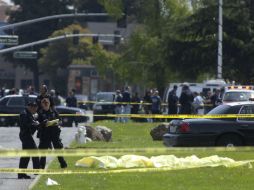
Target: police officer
<point>28,126</point>
<point>172,101</point>
<point>186,100</point>
<point>49,134</point>
<point>44,94</point>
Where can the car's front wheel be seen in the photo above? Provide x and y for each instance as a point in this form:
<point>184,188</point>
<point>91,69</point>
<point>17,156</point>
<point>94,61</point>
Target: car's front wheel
<point>229,140</point>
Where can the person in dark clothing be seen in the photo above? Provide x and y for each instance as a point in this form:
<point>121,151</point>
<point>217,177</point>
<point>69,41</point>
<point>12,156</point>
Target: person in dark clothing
<point>172,101</point>
<point>71,100</point>
<point>118,106</point>
<point>49,133</point>
<point>28,126</point>
<point>126,103</point>
<point>215,98</point>
<point>148,104</point>
<point>208,106</point>
<point>186,100</point>
<point>135,107</point>
<point>156,103</point>
<point>44,94</point>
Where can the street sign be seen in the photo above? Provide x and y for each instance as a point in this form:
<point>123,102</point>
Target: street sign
<point>11,40</point>
<point>25,54</point>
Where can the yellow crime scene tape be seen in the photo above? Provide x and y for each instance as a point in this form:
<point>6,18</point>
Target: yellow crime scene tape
<point>181,116</point>
<point>111,171</point>
<point>4,153</point>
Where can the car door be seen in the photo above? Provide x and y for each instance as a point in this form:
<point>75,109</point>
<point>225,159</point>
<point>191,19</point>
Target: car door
<point>246,124</point>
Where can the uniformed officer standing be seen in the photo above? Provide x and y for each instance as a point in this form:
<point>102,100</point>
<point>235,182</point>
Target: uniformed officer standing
<point>44,94</point>
<point>28,126</point>
<point>49,134</point>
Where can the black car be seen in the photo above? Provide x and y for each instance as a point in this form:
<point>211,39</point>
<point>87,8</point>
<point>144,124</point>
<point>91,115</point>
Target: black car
<point>104,105</point>
<point>214,132</point>
<point>14,104</point>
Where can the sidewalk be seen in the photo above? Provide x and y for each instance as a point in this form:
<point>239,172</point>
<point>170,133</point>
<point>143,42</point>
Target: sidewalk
<point>9,138</point>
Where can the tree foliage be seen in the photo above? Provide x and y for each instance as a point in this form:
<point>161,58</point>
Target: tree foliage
<point>57,56</point>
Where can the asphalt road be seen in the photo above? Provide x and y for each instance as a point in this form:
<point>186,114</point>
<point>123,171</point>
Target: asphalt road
<point>9,138</point>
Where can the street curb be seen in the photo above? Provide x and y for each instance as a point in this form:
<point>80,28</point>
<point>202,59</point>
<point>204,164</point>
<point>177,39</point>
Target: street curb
<point>38,177</point>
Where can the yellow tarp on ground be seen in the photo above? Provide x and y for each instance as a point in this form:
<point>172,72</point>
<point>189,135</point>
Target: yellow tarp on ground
<point>169,161</point>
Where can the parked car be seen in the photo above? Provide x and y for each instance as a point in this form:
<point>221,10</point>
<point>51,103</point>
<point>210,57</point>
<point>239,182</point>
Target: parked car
<point>82,99</point>
<point>14,104</point>
<point>104,105</point>
<point>214,132</point>
<point>238,94</point>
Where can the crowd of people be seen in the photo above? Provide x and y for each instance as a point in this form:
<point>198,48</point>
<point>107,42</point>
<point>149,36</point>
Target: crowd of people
<point>70,101</point>
<point>187,103</point>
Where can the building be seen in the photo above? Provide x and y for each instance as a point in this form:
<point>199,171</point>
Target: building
<point>87,84</point>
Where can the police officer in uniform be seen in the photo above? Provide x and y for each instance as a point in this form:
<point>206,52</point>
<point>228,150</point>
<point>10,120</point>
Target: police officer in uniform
<point>44,94</point>
<point>28,126</point>
<point>49,134</point>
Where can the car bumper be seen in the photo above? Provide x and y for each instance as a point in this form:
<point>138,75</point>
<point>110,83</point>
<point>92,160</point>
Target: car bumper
<point>188,140</point>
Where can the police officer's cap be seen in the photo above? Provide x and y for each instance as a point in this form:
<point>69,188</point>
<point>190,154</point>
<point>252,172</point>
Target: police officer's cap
<point>32,104</point>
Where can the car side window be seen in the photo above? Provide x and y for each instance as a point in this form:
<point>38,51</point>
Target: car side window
<point>247,110</point>
<point>16,101</point>
<point>3,101</point>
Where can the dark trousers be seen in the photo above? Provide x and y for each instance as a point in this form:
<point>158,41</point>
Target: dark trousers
<point>45,143</point>
<point>172,109</point>
<point>28,143</point>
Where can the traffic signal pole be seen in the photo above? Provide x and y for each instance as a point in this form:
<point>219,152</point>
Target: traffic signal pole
<point>27,22</point>
<point>55,39</point>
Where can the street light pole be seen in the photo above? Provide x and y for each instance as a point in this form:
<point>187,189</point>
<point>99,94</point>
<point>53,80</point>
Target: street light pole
<point>220,40</point>
<point>11,26</point>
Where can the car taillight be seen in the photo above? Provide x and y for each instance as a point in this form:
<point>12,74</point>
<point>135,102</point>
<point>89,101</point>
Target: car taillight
<point>184,127</point>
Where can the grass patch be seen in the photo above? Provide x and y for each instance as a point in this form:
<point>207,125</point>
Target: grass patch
<point>137,135</point>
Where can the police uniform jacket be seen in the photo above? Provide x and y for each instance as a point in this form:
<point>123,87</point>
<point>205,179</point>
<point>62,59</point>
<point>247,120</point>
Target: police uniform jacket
<point>28,125</point>
<point>49,115</point>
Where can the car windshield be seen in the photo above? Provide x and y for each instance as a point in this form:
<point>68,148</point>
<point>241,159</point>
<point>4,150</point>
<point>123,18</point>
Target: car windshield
<point>104,97</point>
<point>237,96</point>
<point>222,109</point>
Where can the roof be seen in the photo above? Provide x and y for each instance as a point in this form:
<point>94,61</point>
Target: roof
<point>239,90</point>
<point>239,103</point>
<point>17,95</point>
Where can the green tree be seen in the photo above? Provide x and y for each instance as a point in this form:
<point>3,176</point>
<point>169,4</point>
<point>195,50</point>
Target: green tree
<point>59,55</point>
<point>198,45</point>
<point>29,9</point>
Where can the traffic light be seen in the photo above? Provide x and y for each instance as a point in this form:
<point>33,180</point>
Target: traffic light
<point>117,39</point>
<point>122,22</point>
<point>75,38</point>
<point>95,39</point>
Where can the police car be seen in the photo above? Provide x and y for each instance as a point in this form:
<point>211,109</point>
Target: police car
<point>238,94</point>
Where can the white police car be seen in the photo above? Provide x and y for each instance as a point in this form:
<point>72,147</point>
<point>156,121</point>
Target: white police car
<point>238,94</point>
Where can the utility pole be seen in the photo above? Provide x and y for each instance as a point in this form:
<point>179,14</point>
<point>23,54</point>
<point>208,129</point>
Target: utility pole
<point>220,40</point>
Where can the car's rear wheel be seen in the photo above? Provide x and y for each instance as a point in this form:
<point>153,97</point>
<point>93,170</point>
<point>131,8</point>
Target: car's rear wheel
<point>229,140</point>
